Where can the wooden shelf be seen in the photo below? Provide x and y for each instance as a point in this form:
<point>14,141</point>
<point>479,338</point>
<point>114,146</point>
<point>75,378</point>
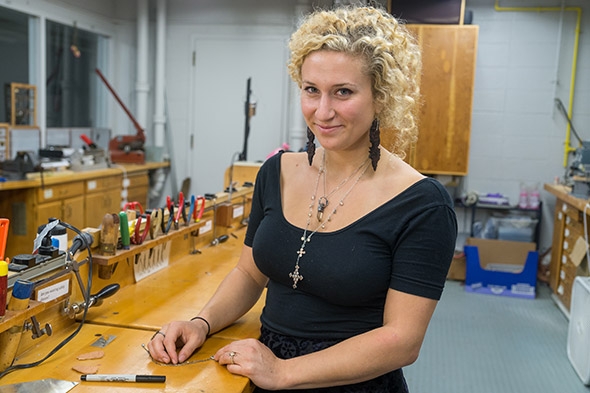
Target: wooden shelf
<point>123,255</point>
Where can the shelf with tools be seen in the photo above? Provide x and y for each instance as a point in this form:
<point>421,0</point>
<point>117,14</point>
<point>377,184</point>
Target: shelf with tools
<point>221,212</point>
<point>123,255</point>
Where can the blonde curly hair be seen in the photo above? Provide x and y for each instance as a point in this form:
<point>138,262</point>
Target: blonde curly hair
<point>391,54</point>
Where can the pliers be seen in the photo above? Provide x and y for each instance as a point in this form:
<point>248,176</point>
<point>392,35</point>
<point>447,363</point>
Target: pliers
<point>181,211</point>
<point>170,207</point>
<point>139,237</point>
<point>196,209</point>
<point>133,206</point>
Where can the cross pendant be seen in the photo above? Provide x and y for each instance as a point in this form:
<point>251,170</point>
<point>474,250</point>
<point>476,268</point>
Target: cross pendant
<point>296,276</point>
<point>301,252</point>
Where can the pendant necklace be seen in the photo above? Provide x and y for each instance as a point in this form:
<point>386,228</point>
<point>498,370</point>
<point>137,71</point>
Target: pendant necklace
<point>323,201</point>
<point>295,275</point>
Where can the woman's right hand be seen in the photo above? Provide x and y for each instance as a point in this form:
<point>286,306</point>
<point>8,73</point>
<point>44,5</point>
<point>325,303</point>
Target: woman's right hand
<point>175,342</point>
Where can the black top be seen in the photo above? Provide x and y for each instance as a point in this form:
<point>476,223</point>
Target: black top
<point>405,244</point>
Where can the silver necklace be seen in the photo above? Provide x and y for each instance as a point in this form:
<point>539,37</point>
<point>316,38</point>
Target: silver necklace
<point>323,201</point>
<point>295,275</point>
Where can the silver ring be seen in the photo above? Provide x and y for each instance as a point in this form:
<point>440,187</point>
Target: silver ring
<point>162,333</point>
<point>231,356</point>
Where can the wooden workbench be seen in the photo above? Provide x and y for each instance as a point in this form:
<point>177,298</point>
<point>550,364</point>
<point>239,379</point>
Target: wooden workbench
<point>134,313</point>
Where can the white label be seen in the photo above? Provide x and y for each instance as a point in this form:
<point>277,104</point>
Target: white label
<point>206,227</point>
<point>53,291</point>
<point>92,185</point>
<point>48,193</point>
<point>238,211</point>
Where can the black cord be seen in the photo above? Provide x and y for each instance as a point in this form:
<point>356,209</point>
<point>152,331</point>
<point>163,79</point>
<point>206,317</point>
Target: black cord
<point>86,302</point>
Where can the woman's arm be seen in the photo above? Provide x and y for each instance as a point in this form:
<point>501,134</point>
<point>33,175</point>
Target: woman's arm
<point>360,358</point>
<point>236,294</point>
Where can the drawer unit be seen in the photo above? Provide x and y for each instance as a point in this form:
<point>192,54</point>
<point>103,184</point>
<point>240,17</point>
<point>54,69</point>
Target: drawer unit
<point>59,191</point>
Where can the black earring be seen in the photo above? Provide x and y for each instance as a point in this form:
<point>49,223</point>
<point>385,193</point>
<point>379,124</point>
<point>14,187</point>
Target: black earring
<point>310,146</point>
<point>375,139</point>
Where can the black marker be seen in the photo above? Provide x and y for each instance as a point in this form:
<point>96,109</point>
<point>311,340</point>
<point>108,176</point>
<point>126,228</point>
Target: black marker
<point>122,378</point>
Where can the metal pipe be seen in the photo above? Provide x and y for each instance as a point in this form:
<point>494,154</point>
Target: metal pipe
<point>142,86</point>
<point>159,115</point>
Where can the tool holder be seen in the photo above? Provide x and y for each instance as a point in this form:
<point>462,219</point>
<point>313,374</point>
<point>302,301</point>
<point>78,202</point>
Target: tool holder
<point>107,264</point>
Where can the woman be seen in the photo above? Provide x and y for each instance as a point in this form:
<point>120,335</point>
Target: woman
<point>351,242</point>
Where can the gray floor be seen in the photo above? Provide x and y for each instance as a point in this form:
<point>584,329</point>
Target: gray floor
<point>494,344</point>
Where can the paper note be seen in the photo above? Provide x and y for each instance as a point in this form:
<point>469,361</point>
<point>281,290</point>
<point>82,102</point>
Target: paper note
<point>579,251</point>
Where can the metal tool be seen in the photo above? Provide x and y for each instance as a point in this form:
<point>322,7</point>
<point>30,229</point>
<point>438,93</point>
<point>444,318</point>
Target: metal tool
<point>170,207</point>
<point>196,209</point>
<point>4,224</point>
<point>133,206</point>
<point>103,341</point>
<point>139,237</point>
<point>95,300</point>
<point>180,212</point>
<point>126,148</point>
<point>48,385</point>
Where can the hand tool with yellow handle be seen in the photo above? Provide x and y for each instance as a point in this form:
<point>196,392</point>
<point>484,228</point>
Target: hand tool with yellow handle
<point>10,339</point>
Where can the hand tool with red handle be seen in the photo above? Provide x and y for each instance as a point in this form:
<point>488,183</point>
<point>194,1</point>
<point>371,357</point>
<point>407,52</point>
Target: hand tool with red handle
<point>4,223</point>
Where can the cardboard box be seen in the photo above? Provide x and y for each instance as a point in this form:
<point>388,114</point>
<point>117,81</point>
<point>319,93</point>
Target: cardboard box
<point>501,267</point>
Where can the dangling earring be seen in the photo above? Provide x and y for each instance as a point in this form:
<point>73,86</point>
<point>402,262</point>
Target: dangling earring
<point>310,146</point>
<point>375,139</point>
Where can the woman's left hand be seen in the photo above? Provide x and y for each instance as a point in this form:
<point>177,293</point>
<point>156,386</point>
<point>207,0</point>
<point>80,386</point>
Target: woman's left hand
<point>254,360</point>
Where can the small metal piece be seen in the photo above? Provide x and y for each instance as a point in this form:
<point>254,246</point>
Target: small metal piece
<point>178,364</point>
<point>194,250</point>
<point>48,385</point>
<point>103,341</point>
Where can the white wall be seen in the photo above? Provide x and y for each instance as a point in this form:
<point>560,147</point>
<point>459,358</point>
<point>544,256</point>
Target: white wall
<point>524,62</point>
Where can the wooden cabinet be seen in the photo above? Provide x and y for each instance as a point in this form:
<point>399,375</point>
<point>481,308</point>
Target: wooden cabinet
<point>138,188</point>
<point>448,74</point>
<point>63,201</point>
<point>568,251</point>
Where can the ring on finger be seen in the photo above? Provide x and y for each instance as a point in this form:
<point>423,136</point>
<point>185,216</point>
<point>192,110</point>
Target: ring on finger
<point>231,356</point>
<point>158,332</point>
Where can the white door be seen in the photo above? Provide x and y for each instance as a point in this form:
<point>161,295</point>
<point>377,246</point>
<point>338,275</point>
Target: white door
<point>222,68</point>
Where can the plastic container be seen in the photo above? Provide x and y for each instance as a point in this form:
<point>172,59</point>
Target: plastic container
<point>523,197</point>
<point>534,198</point>
<point>519,228</point>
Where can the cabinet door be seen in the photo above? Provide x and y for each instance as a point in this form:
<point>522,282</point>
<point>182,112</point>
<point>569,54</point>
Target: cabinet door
<point>448,73</point>
<point>69,210</point>
<point>99,204</point>
<point>73,212</point>
<point>138,188</point>
<point>48,210</point>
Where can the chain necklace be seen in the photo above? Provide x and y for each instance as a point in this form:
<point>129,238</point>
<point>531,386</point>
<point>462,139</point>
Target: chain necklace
<point>295,275</point>
<point>323,201</point>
